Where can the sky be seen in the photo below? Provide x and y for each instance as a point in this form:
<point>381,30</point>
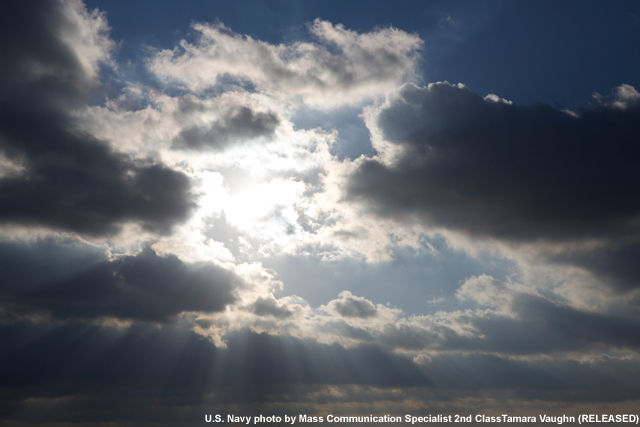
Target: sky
<point>325,208</point>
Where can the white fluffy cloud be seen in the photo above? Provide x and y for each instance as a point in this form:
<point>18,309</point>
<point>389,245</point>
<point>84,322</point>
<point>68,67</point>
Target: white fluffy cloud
<point>87,34</point>
<point>342,67</point>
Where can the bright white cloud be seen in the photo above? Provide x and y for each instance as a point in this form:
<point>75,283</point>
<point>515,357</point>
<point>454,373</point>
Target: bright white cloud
<point>87,34</point>
<point>343,67</point>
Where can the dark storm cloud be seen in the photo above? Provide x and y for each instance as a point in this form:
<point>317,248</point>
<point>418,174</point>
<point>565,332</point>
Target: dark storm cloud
<point>70,180</point>
<point>507,171</point>
<point>237,125</point>
<point>78,282</point>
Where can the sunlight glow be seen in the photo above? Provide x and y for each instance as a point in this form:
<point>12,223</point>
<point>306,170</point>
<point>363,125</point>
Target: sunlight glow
<point>266,203</point>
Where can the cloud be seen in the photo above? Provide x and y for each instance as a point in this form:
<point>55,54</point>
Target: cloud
<point>607,378</point>
<point>68,179</point>
<point>537,326</point>
<point>352,306</point>
<point>488,168</point>
<point>486,291</point>
<point>240,124</point>
<point>507,319</point>
<point>93,374</point>
<point>94,331</point>
<point>269,307</point>
<point>520,321</point>
<point>499,170</point>
<point>78,282</point>
<point>53,42</point>
<point>344,67</point>
<point>112,357</point>
<point>616,264</point>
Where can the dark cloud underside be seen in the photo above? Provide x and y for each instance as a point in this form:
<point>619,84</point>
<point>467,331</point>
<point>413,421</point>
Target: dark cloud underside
<point>352,307</point>
<point>541,326</point>
<point>507,171</point>
<point>75,282</point>
<point>269,307</point>
<point>237,125</point>
<point>179,369</point>
<point>617,265</point>
<point>70,179</point>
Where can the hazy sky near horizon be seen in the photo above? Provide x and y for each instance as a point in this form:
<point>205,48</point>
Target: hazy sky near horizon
<point>317,207</point>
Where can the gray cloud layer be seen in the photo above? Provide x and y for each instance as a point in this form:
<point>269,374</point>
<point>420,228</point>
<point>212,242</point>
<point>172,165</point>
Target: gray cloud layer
<point>108,366</point>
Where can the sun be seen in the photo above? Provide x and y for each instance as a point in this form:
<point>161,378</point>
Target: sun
<point>266,207</point>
